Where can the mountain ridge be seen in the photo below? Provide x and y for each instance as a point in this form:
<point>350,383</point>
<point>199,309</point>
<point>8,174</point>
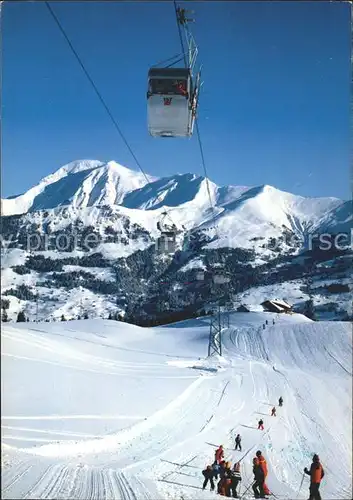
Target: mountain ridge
<point>260,232</point>
<point>83,183</point>
<point>96,193</point>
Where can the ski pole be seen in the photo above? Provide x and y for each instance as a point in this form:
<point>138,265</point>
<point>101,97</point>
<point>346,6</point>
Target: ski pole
<point>249,450</point>
<point>301,484</point>
<point>247,489</point>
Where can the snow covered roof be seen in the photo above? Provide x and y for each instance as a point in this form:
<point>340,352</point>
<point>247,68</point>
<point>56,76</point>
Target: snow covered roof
<point>276,305</point>
<point>270,306</point>
<point>281,303</point>
<point>243,308</point>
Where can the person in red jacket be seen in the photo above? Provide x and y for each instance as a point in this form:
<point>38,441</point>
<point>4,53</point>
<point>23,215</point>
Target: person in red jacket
<point>316,473</point>
<point>219,454</point>
<point>182,89</point>
<point>263,465</point>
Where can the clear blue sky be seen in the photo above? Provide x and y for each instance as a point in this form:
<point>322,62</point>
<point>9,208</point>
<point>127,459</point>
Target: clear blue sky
<point>274,108</point>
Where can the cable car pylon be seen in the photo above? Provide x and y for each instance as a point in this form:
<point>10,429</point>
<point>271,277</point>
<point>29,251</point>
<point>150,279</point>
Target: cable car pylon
<point>220,277</point>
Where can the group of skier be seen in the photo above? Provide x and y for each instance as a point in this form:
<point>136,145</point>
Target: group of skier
<point>229,477</point>
<point>273,414</point>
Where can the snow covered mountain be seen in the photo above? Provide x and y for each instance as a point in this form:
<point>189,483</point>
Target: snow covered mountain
<point>338,220</point>
<point>91,183</point>
<point>80,184</point>
<point>44,234</point>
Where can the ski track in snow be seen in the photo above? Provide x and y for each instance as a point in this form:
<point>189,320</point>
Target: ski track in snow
<point>161,455</point>
<point>62,481</point>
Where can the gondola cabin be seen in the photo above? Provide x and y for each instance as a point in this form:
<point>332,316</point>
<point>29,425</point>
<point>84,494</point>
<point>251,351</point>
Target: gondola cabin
<point>167,239</point>
<point>167,243</point>
<point>200,275</point>
<point>220,275</point>
<point>170,106</point>
<point>220,278</point>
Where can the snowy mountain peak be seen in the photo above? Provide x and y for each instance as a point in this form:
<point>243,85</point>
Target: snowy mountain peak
<point>80,184</point>
<point>242,213</point>
<point>76,166</point>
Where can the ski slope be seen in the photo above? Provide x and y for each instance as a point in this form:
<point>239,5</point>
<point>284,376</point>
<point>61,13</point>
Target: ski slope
<point>105,410</point>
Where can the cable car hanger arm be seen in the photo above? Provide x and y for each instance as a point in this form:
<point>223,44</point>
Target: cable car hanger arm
<point>161,63</point>
<point>179,31</point>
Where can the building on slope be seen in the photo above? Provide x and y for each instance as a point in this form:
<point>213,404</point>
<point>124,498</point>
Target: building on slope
<point>276,306</point>
<point>243,308</point>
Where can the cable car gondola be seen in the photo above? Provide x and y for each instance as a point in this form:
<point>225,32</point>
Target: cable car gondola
<point>220,275</point>
<point>200,275</point>
<point>169,106</point>
<point>172,94</point>
<point>220,278</point>
<point>169,232</point>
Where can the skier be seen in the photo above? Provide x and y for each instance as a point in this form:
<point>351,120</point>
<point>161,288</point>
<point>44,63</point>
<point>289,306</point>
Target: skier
<point>238,442</point>
<point>222,468</point>
<point>280,401</point>
<point>221,486</point>
<point>208,474</point>
<point>216,469</point>
<point>273,413</point>
<point>236,478</point>
<point>263,465</point>
<point>316,473</point>
<point>223,475</point>
<point>219,454</point>
<point>261,425</point>
<point>227,479</point>
<point>258,486</point>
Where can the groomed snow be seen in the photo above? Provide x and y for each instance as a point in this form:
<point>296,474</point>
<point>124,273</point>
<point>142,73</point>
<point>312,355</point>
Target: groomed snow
<point>105,410</point>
